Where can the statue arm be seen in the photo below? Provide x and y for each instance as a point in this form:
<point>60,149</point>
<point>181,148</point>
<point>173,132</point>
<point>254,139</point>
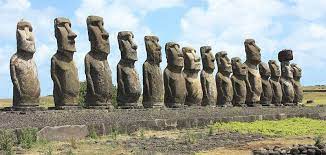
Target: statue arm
<point>235,93</point>
<point>203,85</point>
<point>14,77</point>
<point>54,75</point>
<point>167,85</point>
<point>88,76</point>
<point>121,87</point>
<point>146,82</point>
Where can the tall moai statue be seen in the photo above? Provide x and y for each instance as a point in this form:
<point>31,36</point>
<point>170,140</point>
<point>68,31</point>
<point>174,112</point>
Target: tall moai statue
<point>285,56</point>
<point>129,89</point>
<point>191,70</point>
<point>239,82</point>
<point>23,71</point>
<point>275,82</point>
<point>267,93</point>
<point>174,81</point>
<point>223,80</point>
<point>207,80</point>
<point>97,69</point>
<point>63,69</point>
<point>153,89</point>
<point>253,80</point>
<point>298,92</point>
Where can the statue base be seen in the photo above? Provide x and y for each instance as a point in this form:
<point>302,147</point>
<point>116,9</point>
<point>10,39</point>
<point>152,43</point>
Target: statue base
<point>66,108</point>
<point>174,105</point>
<point>253,104</point>
<point>109,107</point>
<point>266,103</point>
<point>154,105</point>
<point>24,108</point>
<point>129,106</point>
<point>239,105</point>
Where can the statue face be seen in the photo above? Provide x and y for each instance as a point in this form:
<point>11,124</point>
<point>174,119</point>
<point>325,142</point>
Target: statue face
<point>97,35</point>
<point>191,60</point>
<point>252,51</point>
<point>287,71</point>
<point>207,57</point>
<point>25,37</point>
<point>127,46</point>
<point>153,49</point>
<point>173,54</point>
<point>223,62</point>
<point>238,67</point>
<point>297,72</point>
<point>264,70</point>
<point>64,35</point>
<point>275,68</point>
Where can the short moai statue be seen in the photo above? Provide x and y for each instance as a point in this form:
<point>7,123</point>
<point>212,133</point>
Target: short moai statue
<point>253,80</point>
<point>275,82</point>
<point>239,82</point>
<point>174,81</point>
<point>97,69</point>
<point>23,70</point>
<point>223,80</point>
<point>153,89</point>
<point>298,92</point>
<point>207,79</point>
<point>191,70</point>
<point>267,93</point>
<point>63,69</point>
<point>129,89</point>
<point>285,56</point>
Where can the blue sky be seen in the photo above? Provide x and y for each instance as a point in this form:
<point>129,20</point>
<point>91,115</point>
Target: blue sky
<point>224,24</point>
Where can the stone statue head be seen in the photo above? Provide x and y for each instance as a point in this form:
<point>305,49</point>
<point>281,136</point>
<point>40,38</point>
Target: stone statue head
<point>297,72</point>
<point>173,54</point>
<point>191,60</point>
<point>25,37</point>
<point>64,35</point>
<point>153,49</point>
<point>253,54</point>
<point>207,58</point>
<point>223,62</point>
<point>264,70</point>
<point>127,46</point>
<point>275,68</point>
<point>97,35</point>
<point>238,67</point>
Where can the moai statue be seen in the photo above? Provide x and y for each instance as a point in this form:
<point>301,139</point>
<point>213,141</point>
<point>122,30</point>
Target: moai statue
<point>267,93</point>
<point>129,89</point>
<point>207,80</point>
<point>239,82</point>
<point>285,56</point>
<point>23,71</point>
<point>63,69</point>
<point>174,82</point>
<point>223,80</point>
<point>153,89</point>
<point>253,80</point>
<point>97,69</point>
<point>275,82</point>
<point>298,92</point>
<point>191,70</point>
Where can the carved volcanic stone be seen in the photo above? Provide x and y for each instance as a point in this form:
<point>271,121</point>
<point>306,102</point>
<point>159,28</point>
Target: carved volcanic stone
<point>129,89</point>
<point>174,82</point>
<point>286,77</point>
<point>267,93</point>
<point>97,69</point>
<point>239,82</point>
<point>298,92</point>
<point>63,69</point>
<point>153,90</point>
<point>207,80</point>
<point>23,71</point>
<point>275,82</point>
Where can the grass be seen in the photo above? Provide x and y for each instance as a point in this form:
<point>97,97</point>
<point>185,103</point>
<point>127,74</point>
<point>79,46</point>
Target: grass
<point>318,97</point>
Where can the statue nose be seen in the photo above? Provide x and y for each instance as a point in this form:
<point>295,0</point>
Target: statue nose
<point>72,35</point>
<point>105,36</point>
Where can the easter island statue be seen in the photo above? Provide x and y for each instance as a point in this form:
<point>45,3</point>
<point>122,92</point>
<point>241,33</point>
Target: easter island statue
<point>239,82</point>
<point>23,71</point>
<point>275,82</point>
<point>267,93</point>
<point>97,69</point>
<point>223,80</point>
<point>153,89</point>
<point>207,80</point>
<point>63,69</point>
<point>298,92</point>
<point>253,80</point>
<point>129,89</point>
<point>174,82</point>
<point>285,56</point>
<point>191,69</point>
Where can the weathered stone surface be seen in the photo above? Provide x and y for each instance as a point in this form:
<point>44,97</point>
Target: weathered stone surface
<point>23,71</point>
<point>223,80</point>
<point>253,80</point>
<point>286,76</point>
<point>63,133</point>
<point>63,69</point>
<point>153,89</point>
<point>267,93</point>
<point>97,69</point>
<point>275,82</point>
<point>129,89</point>
<point>239,82</point>
<point>298,92</point>
<point>191,70</point>
<point>174,82</point>
<point>207,80</point>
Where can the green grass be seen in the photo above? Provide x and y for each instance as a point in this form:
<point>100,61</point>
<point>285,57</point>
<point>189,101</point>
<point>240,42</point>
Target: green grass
<point>282,128</point>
